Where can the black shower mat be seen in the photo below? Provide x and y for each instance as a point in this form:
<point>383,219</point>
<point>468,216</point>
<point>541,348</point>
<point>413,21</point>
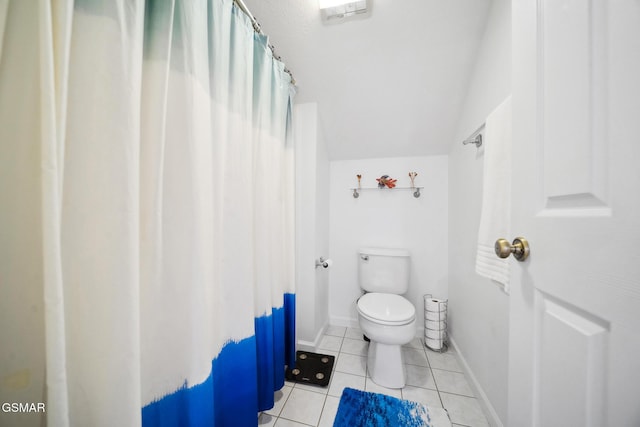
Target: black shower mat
<point>311,368</point>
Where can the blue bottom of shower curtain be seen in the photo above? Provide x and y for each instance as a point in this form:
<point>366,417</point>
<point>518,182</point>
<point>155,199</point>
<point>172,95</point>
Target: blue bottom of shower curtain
<point>243,379</point>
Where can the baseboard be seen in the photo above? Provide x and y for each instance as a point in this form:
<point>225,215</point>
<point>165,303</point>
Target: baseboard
<point>346,322</point>
<point>491,413</point>
<point>312,346</point>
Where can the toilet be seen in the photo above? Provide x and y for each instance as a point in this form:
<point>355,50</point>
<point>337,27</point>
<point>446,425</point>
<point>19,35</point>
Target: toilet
<point>385,317</point>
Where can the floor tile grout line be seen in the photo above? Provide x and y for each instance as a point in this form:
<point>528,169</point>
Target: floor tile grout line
<point>437,389</point>
<point>285,402</point>
<point>320,417</point>
<point>448,370</point>
<point>324,405</point>
<point>461,395</point>
<point>294,421</point>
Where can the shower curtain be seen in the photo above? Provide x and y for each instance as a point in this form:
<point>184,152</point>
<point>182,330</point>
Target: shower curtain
<point>157,135</point>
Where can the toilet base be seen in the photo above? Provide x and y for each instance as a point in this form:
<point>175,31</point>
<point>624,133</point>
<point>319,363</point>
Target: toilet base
<point>385,363</point>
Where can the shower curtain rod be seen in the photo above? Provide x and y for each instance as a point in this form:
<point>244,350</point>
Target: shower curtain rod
<point>258,29</point>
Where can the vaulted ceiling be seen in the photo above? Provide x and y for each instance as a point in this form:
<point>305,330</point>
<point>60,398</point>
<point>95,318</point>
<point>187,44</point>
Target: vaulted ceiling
<point>388,83</point>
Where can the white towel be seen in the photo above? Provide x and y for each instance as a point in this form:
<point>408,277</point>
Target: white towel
<point>495,217</point>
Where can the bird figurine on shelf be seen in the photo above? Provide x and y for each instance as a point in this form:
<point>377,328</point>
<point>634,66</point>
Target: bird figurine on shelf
<point>386,180</point>
<point>412,177</point>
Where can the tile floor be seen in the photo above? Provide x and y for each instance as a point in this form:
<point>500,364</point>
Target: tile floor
<point>435,379</point>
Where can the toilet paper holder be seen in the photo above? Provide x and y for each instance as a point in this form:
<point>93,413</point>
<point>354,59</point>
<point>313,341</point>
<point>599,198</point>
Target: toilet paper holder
<point>324,263</point>
<point>435,323</point>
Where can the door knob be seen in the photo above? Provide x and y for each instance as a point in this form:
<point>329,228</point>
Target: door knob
<point>519,248</point>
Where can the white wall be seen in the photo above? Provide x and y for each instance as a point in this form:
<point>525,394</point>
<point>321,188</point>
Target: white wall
<point>388,218</point>
<point>478,309</point>
<point>312,224</point>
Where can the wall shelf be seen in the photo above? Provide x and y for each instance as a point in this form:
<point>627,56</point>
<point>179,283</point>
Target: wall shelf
<point>356,191</point>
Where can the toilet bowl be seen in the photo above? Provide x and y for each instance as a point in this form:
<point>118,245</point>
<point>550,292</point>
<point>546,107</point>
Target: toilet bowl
<point>389,321</point>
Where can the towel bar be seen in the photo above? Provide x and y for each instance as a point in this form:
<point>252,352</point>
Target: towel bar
<point>476,140</point>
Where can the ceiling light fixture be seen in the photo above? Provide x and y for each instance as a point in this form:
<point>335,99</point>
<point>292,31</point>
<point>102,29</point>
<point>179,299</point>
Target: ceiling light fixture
<point>341,8</point>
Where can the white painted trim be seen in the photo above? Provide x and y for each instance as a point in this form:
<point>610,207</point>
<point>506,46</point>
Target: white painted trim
<point>305,346</point>
<point>494,419</point>
<point>346,322</point>
<point>313,345</point>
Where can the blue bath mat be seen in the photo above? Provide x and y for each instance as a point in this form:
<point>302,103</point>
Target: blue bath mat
<point>364,409</point>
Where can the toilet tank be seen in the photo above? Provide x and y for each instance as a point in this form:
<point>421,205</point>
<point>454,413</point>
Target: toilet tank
<point>383,270</point>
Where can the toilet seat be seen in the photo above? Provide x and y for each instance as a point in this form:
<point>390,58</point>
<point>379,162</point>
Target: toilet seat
<point>386,309</point>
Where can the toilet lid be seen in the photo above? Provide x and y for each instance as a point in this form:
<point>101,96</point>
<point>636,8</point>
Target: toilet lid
<point>387,308</point>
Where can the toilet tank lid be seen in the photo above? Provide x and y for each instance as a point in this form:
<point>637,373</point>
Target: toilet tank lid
<point>384,252</point>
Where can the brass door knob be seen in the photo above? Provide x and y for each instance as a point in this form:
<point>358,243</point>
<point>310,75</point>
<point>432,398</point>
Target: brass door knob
<point>519,248</point>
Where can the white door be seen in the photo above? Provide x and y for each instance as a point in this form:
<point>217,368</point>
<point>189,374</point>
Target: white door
<point>574,340</point>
